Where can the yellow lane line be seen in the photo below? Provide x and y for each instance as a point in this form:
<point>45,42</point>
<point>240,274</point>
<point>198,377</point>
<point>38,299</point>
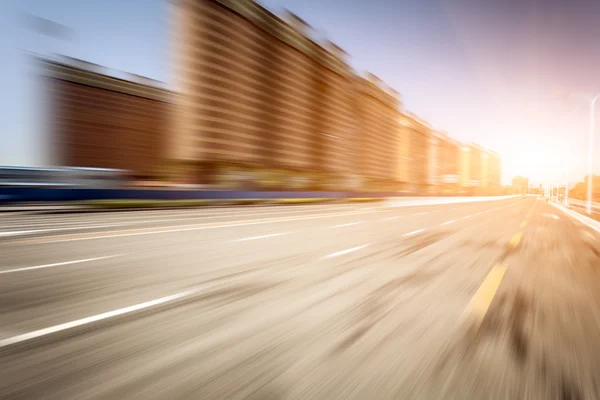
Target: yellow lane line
<point>514,241</point>
<point>485,294</point>
<point>480,303</point>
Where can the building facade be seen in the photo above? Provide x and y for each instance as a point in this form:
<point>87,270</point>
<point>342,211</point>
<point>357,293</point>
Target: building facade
<point>260,100</point>
<point>377,120</point>
<point>337,120</point>
<point>101,121</point>
<point>418,136</point>
<point>447,163</point>
<point>259,96</point>
<point>221,77</point>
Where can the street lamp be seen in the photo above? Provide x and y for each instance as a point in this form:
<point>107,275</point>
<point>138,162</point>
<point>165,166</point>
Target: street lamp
<point>591,153</point>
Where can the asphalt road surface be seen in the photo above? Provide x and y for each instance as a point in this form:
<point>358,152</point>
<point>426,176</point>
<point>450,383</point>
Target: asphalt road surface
<point>488,300</point>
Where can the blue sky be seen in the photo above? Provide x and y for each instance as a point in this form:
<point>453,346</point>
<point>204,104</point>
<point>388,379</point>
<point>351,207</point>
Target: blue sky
<point>493,72</point>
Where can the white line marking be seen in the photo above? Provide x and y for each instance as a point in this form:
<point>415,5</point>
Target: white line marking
<point>350,250</point>
<point>7,271</point>
<point>414,232</point>
<point>170,229</point>
<point>139,219</point>
<point>448,222</point>
<point>94,318</point>
<point>350,224</point>
<point>260,237</point>
<point>553,216</point>
<point>466,217</point>
<point>19,233</point>
<point>388,218</point>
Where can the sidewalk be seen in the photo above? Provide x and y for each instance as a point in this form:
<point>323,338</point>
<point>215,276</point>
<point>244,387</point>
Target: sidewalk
<point>592,223</point>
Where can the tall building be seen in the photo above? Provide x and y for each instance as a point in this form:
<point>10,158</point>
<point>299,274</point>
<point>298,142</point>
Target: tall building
<point>260,97</point>
<point>377,119</point>
<point>490,177</point>
<point>337,120</point>
<point>222,57</point>
<point>447,163</point>
<point>101,121</point>
<point>520,185</point>
<point>419,137</point>
<point>476,165</point>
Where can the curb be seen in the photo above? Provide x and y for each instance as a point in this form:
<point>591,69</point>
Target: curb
<point>592,223</point>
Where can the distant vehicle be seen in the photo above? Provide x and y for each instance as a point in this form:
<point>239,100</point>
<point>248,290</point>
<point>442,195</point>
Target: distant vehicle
<point>61,177</point>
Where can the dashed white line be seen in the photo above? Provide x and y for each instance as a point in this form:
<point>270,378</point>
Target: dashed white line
<point>7,271</point>
<point>448,222</point>
<point>260,237</point>
<point>20,233</point>
<point>414,232</point>
<point>187,228</point>
<point>553,216</point>
<point>84,321</point>
<point>350,250</point>
<point>388,218</point>
<point>349,224</point>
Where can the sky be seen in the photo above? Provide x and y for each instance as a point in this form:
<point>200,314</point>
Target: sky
<point>516,76</point>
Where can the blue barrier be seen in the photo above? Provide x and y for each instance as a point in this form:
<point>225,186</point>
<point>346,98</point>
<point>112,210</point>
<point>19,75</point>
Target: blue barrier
<point>14,195</point>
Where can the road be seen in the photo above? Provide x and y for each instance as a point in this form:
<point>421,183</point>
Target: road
<point>489,300</point>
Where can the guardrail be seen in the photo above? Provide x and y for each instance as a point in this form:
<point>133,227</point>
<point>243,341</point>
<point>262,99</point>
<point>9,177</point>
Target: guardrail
<point>582,203</point>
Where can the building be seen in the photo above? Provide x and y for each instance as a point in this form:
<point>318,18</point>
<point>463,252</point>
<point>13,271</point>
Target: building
<point>446,163</point>
<point>377,119</point>
<point>222,54</point>
<point>261,101</point>
<point>494,173</point>
<point>418,134</point>
<point>101,121</point>
<point>259,97</point>
<point>337,120</point>
<point>520,185</point>
<point>476,166</point>
<point>480,170</point>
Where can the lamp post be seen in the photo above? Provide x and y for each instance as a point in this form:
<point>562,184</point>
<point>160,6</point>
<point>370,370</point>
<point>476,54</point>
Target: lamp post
<point>590,150</point>
<point>591,153</point>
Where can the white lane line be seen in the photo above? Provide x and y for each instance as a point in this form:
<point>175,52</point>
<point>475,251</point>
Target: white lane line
<point>553,216</point>
<point>139,219</point>
<point>388,218</point>
<point>88,320</point>
<point>7,271</point>
<point>414,232</point>
<point>187,228</point>
<point>448,222</point>
<point>20,233</point>
<point>260,237</point>
<point>350,250</point>
<point>182,228</point>
<point>342,225</point>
